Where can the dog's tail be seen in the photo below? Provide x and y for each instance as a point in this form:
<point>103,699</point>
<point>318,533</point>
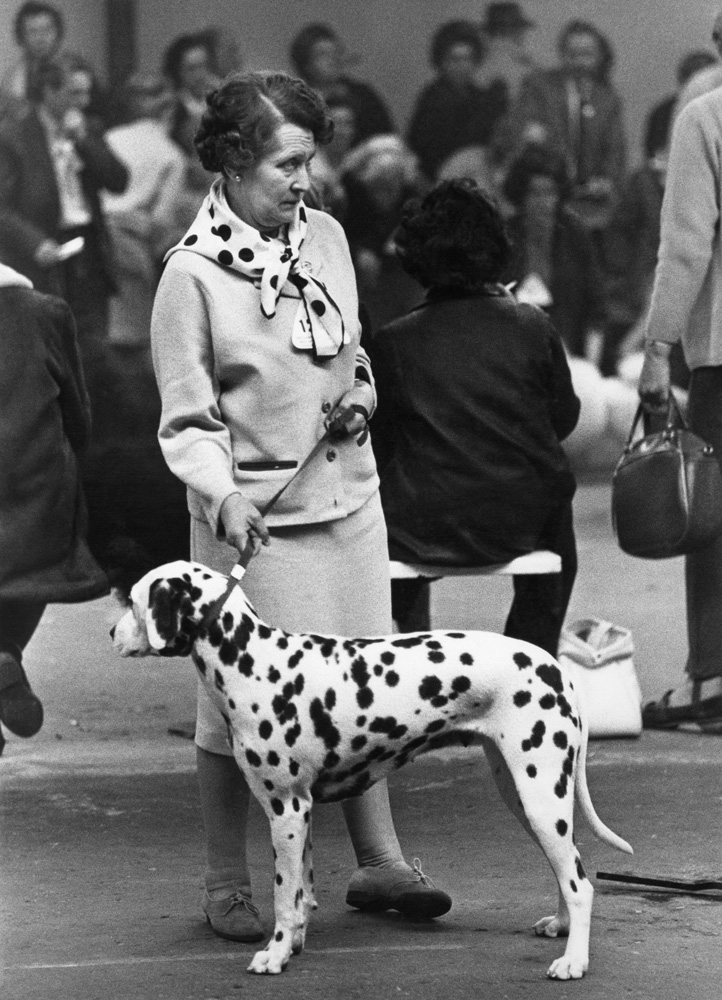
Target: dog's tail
<point>584,799</point>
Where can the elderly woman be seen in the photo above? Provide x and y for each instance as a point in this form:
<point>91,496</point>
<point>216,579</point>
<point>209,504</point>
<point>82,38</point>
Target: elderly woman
<point>475,397</point>
<point>255,340</point>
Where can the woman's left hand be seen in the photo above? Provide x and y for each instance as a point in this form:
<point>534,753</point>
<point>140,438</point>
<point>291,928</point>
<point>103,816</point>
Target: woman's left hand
<point>351,414</point>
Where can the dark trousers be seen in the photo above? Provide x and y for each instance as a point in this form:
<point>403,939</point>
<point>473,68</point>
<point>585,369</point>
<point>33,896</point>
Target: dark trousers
<point>703,569</point>
<point>540,602</point>
<point>18,621</point>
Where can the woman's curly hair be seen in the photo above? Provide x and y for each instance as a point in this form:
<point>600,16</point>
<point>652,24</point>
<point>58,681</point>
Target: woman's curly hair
<point>454,238</point>
<point>243,114</point>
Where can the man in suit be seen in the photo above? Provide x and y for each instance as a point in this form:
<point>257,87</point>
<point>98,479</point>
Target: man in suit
<point>53,164</point>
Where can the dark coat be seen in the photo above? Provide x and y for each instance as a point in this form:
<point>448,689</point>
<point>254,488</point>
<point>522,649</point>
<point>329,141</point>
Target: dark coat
<point>475,396</point>
<point>446,119</point>
<point>577,284</point>
<point>44,426</point>
<point>30,203</point>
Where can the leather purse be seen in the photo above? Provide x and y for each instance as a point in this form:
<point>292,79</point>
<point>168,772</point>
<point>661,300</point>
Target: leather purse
<point>666,491</point>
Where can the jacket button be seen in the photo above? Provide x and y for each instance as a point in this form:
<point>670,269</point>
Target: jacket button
<point>330,454</point>
<point>326,408</point>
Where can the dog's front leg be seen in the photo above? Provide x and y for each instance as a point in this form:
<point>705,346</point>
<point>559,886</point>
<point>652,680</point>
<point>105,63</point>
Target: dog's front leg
<point>288,834</point>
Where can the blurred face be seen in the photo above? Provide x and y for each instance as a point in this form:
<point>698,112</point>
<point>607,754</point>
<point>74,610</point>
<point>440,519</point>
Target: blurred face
<point>324,62</point>
<point>268,193</point>
<point>39,35</point>
<point>581,55</point>
<point>73,95</point>
<point>344,131</point>
<point>459,64</point>
<point>195,72</point>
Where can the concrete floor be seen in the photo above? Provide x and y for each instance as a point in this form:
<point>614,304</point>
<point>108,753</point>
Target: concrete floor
<point>102,843</point>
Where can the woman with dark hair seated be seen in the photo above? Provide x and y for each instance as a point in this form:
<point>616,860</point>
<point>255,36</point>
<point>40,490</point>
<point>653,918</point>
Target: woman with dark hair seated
<point>475,397</point>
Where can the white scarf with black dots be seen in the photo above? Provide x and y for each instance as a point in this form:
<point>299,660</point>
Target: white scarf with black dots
<point>218,234</point>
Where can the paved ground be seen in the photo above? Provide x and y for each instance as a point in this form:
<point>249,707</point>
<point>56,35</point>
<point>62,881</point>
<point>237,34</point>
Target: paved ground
<point>102,842</point>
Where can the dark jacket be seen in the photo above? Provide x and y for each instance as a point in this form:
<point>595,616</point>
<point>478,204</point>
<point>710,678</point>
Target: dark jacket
<point>446,118</point>
<point>30,204</point>
<point>475,396</point>
<point>44,426</point>
<point>577,283</point>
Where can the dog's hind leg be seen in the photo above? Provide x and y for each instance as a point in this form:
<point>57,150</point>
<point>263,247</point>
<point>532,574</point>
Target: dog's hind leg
<point>289,822</point>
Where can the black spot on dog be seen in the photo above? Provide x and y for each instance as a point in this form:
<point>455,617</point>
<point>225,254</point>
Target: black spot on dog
<point>296,805</point>
<point>562,827</point>
<point>433,644</point>
<point>359,672</point>
<point>439,701</point>
<point>227,621</point>
<point>298,898</point>
<point>282,643</point>
<point>361,720</point>
<point>580,870</point>
<point>269,785</point>
<point>295,658</point>
<point>435,726</point>
<point>294,767</point>
<point>323,725</point>
<point>298,684</point>
<point>536,738</point>
<point>227,652</point>
<point>522,660</point>
<point>436,656</point>
<point>560,740</point>
<point>279,936</point>
<point>327,647</point>
<point>218,679</point>
<point>264,632</point>
<point>378,669</point>
<point>330,699</point>
<point>429,688</point>
<point>522,698</point>
<point>565,708</point>
<point>243,632</point>
<point>253,759</point>
<point>467,659</point>
<point>273,759</point>
<point>358,743</point>
<point>285,710</point>
<point>279,881</point>
<point>254,708</point>
<point>365,697</point>
<point>245,664</point>
<point>456,635</point>
<point>331,759</point>
<point>573,884</point>
<point>265,730</point>
<point>460,684</point>
<point>547,701</point>
<point>389,725</point>
<point>408,643</point>
<point>231,704</point>
<point>388,658</point>
<point>277,806</point>
<point>273,675</point>
<point>551,676</point>
<point>531,771</point>
<point>200,663</point>
<point>392,678</point>
<point>292,734</point>
<point>308,644</point>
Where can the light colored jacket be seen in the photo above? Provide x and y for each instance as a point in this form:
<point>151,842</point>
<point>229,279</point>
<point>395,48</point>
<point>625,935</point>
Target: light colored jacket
<point>241,407</point>
<point>687,296</point>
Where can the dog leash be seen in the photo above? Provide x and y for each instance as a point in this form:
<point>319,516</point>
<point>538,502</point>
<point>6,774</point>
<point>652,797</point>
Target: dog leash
<point>683,885</point>
<point>239,570</point>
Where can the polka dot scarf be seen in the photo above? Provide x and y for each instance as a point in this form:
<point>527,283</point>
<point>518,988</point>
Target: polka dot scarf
<point>218,234</point>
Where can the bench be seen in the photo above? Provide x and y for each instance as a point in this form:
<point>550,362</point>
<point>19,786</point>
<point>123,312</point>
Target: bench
<point>533,563</point>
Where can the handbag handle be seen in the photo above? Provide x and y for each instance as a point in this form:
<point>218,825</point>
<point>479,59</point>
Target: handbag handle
<point>676,420</point>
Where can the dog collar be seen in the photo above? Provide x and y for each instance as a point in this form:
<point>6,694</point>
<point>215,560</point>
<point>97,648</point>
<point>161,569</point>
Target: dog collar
<point>234,578</point>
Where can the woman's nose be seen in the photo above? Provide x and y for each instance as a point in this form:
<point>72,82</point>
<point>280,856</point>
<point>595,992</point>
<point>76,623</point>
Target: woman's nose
<point>302,179</point>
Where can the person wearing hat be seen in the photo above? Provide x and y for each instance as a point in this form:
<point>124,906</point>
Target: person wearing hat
<point>505,30</point>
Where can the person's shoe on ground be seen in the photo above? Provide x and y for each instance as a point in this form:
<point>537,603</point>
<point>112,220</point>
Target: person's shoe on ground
<point>397,887</point>
<point>232,915</point>
<point>693,701</point>
<point>20,709</point>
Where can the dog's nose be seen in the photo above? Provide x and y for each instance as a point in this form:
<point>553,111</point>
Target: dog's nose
<point>112,632</point>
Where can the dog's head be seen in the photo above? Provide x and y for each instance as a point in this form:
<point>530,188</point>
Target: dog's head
<point>164,615</point>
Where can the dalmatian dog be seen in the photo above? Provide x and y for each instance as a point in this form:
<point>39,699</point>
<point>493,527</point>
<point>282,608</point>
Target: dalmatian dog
<point>315,718</point>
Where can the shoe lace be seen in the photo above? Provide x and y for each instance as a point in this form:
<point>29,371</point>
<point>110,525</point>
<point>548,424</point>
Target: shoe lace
<point>424,879</point>
<point>238,899</point>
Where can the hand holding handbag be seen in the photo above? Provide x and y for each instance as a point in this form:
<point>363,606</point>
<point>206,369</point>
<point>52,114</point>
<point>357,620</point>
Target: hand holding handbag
<point>666,491</point>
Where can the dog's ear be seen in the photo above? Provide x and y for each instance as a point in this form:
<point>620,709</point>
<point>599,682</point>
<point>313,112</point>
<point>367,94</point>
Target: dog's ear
<point>162,616</point>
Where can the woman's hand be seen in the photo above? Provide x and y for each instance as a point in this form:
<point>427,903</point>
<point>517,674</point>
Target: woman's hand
<point>655,381</point>
<point>350,415</point>
<point>244,527</point>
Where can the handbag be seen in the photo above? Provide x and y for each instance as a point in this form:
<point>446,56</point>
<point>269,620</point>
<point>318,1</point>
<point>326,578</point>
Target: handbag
<point>666,491</point>
<point>599,656</point>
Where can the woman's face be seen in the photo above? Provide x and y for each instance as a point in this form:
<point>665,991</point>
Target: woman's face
<point>582,54</point>
<point>268,193</point>
<point>39,35</point>
<point>324,63</point>
<point>194,71</point>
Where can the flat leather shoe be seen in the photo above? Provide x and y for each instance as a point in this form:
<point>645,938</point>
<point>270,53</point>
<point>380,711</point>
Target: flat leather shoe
<point>20,709</point>
<point>234,917</point>
<point>661,715</point>
<point>407,890</point>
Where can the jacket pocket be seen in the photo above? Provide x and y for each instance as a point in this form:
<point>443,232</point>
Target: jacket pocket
<point>267,466</point>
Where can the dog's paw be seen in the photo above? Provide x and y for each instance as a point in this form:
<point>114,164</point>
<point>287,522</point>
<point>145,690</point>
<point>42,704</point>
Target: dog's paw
<point>264,963</point>
<point>298,942</point>
<point>567,967</point>
<point>551,927</point>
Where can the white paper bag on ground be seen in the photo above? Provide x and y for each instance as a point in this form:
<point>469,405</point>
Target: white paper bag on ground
<point>599,655</point>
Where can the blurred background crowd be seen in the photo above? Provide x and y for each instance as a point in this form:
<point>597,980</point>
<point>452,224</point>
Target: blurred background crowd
<point>116,166</point>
